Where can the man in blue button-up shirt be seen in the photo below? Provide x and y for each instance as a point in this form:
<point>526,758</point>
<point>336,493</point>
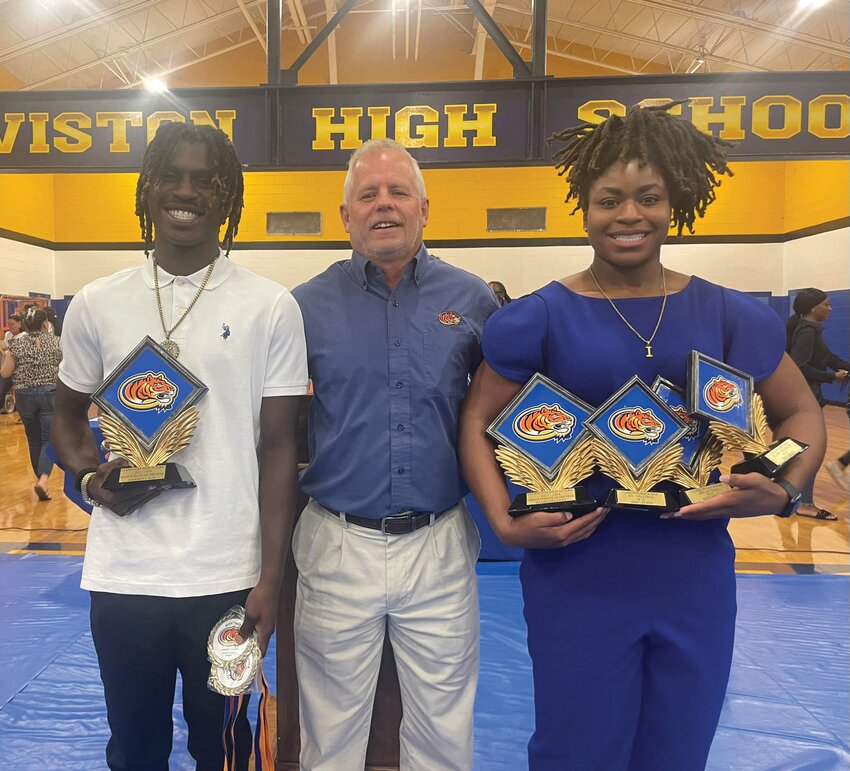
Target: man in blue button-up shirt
<point>393,335</point>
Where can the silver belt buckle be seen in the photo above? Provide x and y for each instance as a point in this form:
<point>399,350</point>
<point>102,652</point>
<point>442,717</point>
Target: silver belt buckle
<point>396,518</point>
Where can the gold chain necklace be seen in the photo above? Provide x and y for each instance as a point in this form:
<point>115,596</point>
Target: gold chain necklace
<point>647,342</point>
<point>168,344</point>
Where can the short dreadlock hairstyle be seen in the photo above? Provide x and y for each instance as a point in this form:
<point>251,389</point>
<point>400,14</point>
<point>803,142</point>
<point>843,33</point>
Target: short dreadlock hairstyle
<point>686,158</point>
<point>227,178</point>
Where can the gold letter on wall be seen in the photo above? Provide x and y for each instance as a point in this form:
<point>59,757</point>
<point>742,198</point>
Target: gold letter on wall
<point>74,141</point>
<point>325,128</point>
<point>729,118</point>
<point>427,134</point>
<point>817,116</point>
<point>119,122</point>
<point>482,125</point>
<point>792,117</point>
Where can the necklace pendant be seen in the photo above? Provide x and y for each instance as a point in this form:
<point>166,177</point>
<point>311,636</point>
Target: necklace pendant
<point>648,351</point>
<point>171,348</point>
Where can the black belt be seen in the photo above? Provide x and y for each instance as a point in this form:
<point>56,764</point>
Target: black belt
<point>398,524</point>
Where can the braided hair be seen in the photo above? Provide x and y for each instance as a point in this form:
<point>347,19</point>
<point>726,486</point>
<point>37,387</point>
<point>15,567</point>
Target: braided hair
<point>688,160</point>
<point>227,180</point>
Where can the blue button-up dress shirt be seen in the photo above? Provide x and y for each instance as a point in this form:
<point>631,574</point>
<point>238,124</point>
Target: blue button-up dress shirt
<point>389,370</point>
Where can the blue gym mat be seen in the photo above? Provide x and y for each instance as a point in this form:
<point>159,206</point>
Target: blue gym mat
<point>786,709</point>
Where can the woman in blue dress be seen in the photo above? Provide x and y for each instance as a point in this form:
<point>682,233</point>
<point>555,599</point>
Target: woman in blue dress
<point>631,616</point>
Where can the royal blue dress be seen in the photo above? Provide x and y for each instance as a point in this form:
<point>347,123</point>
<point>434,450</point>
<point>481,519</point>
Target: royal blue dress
<point>631,630</point>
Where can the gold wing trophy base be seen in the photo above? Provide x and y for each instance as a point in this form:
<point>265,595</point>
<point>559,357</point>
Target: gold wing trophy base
<point>560,494</point>
<point>636,493</point>
<point>760,454</point>
<point>148,469</point>
<point>576,500</point>
<point>694,481</point>
<point>773,460</point>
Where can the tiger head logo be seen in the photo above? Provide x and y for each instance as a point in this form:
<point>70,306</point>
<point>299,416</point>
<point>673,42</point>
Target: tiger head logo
<point>721,394</point>
<point>229,636</point>
<point>148,391</point>
<point>544,422</point>
<point>636,424</point>
<point>688,420</point>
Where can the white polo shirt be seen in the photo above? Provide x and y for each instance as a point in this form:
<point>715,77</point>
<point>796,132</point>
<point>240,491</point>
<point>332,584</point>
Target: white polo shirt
<point>244,339</point>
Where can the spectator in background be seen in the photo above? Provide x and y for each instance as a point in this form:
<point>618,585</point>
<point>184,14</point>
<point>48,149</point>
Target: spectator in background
<point>53,321</point>
<point>840,469</point>
<point>15,330</point>
<point>501,293</point>
<point>32,361</point>
<point>808,349</point>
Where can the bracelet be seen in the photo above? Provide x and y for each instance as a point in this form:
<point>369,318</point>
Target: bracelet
<point>78,477</point>
<point>84,490</point>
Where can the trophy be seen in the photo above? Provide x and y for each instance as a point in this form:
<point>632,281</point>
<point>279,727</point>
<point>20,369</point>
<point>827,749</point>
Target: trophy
<point>636,443</point>
<point>543,446</point>
<point>702,451</point>
<point>148,415</point>
<point>725,397</point>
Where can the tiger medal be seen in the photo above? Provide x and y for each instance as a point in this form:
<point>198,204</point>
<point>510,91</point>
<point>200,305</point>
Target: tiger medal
<point>148,415</point>
<point>234,662</point>
<point>544,447</point>
<point>636,442</point>
<point>701,450</point>
<point>725,398</point>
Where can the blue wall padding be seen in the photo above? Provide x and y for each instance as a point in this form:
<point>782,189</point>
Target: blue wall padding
<point>786,708</point>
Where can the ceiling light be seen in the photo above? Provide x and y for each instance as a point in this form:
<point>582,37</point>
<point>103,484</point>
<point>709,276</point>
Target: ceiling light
<point>154,85</point>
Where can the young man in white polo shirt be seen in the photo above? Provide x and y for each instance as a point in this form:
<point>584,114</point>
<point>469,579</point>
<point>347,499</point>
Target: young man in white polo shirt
<point>163,572</point>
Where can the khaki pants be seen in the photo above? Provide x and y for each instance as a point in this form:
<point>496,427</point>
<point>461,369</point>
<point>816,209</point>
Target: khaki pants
<point>353,584</point>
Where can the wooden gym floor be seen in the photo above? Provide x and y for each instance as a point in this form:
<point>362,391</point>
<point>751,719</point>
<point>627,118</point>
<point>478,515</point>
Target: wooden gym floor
<point>764,544</point>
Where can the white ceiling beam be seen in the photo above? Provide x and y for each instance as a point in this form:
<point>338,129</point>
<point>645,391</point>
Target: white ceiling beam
<point>582,59</point>
<point>150,42</point>
<point>330,10</point>
<point>250,19</point>
<point>634,38</point>
<point>752,25</point>
<point>73,30</point>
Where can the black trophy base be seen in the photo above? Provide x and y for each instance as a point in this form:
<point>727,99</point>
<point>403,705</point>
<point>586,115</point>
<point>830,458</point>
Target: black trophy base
<point>700,494</point>
<point>773,460</point>
<point>652,501</point>
<point>576,500</point>
<point>164,476</point>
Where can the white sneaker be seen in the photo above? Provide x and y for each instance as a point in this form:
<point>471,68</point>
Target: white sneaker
<point>841,474</point>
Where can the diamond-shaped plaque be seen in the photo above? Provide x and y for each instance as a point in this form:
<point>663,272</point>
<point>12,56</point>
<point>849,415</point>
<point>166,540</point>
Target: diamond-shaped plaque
<point>147,391</point>
<point>636,424</point>
<point>694,439</point>
<point>543,423</point>
<point>717,391</point>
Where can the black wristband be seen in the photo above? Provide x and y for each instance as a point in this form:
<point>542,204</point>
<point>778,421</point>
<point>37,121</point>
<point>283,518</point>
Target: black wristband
<point>78,479</point>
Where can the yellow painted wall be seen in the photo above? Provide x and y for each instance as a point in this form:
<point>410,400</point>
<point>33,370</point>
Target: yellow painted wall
<point>816,191</point>
<point>28,204</point>
<point>763,198</point>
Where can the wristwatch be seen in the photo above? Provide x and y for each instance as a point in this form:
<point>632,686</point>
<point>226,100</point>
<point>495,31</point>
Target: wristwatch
<point>794,497</point>
<point>84,490</point>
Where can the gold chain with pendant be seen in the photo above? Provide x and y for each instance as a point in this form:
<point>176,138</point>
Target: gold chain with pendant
<point>168,344</point>
<point>647,342</point>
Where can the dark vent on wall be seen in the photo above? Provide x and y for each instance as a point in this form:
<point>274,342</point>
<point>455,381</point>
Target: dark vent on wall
<point>513,220</point>
<point>294,223</point>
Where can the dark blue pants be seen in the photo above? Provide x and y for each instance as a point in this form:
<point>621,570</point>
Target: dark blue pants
<point>142,642</point>
<point>35,406</point>
<point>630,634</point>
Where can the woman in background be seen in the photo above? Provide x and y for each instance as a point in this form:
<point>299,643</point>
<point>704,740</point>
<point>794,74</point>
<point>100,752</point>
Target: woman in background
<point>32,361</point>
<point>819,365</point>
